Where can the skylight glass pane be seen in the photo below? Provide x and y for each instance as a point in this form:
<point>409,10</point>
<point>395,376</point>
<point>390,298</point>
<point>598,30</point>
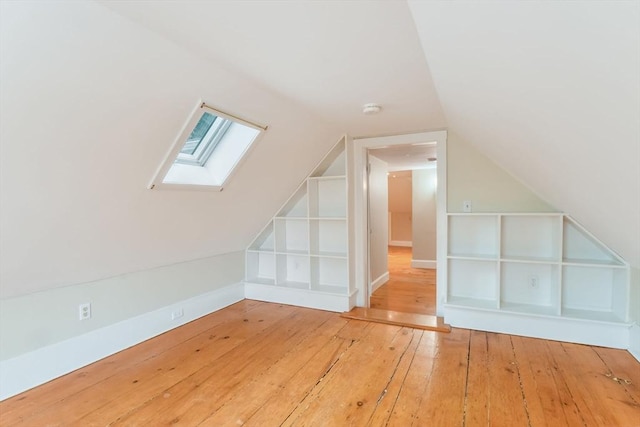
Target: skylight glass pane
<point>199,132</point>
<point>210,146</point>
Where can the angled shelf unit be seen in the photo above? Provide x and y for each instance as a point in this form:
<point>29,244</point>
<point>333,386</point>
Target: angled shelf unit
<point>302,255</point>
<point>504,268</point>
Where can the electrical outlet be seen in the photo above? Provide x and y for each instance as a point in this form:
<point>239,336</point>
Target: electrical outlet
<point>84,311</point>
<point>466,206</point>
<point>533,281</point>
<point>176,314</point>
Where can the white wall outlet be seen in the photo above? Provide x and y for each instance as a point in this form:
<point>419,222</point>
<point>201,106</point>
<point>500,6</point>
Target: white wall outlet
<point>177,313</point>
<point>534,282</point>
<point>84,311</point>
<point>466,206</point>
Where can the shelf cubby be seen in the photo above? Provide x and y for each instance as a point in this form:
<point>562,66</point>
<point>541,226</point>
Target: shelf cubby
<point>531,287</point>
<point>261,267</point>
<point>333,164</point>
<point>530,237</point>
<point>473,280</point>
<point>296,206</point>
<point>327,197</point>
<point>595,292</point>
<point>291,235</point>
<point>473,236</point>
<point>579,247</point>
<point>292,271</point>
<point>265,240</point>
<point>329,274</point>
<point>328,237</point>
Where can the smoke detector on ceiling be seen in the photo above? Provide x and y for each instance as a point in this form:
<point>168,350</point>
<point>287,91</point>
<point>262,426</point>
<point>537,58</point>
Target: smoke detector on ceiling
<point>371,108</point>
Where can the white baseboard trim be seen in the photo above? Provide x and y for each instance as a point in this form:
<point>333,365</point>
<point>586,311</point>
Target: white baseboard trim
<point>384,278</point>
<point>423,263</point>
<point>590,332</point>
<point>634,341</point>
<point>404,243</point>
<point>31,369</point>
<point>300,297</point>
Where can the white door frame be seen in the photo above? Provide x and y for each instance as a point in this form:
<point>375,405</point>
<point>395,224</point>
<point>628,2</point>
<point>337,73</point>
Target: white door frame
<point>360,210</point>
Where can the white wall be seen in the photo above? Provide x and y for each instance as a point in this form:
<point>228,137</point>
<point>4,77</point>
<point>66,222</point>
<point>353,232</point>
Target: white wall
<point>472,176</point>
<point>32,321</point>
<point>424,215</point>
<point>550,92</point>
<point>90,104</point>
<point>400,206</point>
<point>378,211</point>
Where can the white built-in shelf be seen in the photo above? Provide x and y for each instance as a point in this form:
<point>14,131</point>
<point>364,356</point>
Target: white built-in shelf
<point>325,254</point>
<point>542,264</point>
<point>532,259</point>
<point>591,263</point>
<point>328,197</point>
<point>542,310</point>
<point>473,236</point>
<point>599,316</point>
<point>530,236</point>
<point>487,304</point>
<point>305,246</point>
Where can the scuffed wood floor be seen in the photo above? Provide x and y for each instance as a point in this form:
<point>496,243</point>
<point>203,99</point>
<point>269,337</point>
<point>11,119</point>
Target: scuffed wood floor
<point>263,364</point>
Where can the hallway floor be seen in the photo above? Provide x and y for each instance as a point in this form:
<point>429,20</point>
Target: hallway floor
<point>409,290</point>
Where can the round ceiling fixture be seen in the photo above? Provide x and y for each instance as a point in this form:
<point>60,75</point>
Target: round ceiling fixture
<point>371,108</point>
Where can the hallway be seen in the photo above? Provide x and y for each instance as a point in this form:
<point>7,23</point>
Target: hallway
<point>409,290</point>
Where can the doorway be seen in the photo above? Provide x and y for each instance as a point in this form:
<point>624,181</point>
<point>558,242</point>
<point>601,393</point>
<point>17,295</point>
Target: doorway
<point>410,285</point>
<point>363,221</point>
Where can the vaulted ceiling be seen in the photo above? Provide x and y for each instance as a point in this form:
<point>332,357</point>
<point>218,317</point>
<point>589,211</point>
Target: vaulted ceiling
<point>548,90</point>
<point>330,56</point>
<point>92,95</point>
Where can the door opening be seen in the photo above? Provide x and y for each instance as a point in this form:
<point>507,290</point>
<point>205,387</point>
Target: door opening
<point>367,269</point>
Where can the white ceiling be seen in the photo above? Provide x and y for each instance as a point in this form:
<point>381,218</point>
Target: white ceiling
<point>330,56</point>
<point>407,157</point>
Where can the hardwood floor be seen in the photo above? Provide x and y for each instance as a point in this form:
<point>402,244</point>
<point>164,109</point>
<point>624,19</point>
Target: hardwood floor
<point>263,364</point>
<point>409,290</point>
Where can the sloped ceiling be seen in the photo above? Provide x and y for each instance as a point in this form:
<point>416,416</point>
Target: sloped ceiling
<point>92,97</point>
<point>551,92</point>
<point>330,56</point>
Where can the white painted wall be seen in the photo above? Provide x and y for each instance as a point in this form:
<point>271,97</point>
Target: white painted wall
<point>472,176</point>
<point>32,321</point>
<point>424,214</point>
<point>90,104</point>
<point>378,211</point>
<point>550,92</point>
<point>400,206</point>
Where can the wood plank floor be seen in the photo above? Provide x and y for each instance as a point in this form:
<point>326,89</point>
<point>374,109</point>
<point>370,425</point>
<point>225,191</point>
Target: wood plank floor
<point>409,290</point>
<point>263,364</point>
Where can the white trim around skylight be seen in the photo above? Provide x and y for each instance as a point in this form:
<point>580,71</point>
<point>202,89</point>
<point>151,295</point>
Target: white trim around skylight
<point>221,147</point>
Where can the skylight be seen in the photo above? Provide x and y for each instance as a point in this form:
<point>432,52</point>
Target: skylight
<point>210,146</point>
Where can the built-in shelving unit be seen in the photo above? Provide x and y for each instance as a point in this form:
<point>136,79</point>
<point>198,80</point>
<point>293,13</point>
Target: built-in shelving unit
<point>302,256</point>
<point>504,268</point>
